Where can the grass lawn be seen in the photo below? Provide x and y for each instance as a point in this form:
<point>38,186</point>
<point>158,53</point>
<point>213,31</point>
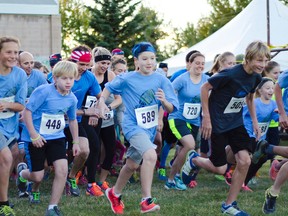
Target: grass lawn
<point>203,200</point>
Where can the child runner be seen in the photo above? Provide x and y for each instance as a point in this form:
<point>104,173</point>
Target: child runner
<point>222,119</point>
<point>13,91</point>
<point>142,93</point>
<point>43,133</point>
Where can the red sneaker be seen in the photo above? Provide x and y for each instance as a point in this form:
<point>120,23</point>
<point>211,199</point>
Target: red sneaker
<point>192,184</point>
<point>148,205</point>
<point>228,178</point>
<point>273,171</point>
<point>246,188</point>
<point>116,203</point>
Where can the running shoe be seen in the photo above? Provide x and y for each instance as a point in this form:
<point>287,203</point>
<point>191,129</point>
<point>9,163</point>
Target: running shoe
<point>6,211</point>
<point>149,205</point>
<point>273,171</point>
<point>232,209</point>
<point>104,186</point>
<point>260,151</point>
<point>53,212</point>
<point>116,203</point>
<point>269,205</point>
<point>21,182</point>
<point>246,188</point>
<point>81,179</point>
<point>176,184</point>
<point>192,184</point>
<point>220,177</point>
<point>34,197</point>
<point>189,167</point>
<point>72,188</point>
<point>94,190</point>
<point>162,174</point>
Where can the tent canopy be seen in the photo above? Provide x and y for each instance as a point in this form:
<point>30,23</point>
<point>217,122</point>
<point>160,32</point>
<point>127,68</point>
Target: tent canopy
<point>249,25</point>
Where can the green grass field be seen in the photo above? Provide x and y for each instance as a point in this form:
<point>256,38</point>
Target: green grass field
<point>203,200</point>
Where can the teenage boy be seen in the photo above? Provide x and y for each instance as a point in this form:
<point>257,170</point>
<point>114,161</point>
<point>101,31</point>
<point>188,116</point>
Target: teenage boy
<point>13,91</point>
<point>223,122</point>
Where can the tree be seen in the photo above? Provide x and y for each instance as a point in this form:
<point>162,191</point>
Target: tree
<point>121,23</point>
<point>75,20</point>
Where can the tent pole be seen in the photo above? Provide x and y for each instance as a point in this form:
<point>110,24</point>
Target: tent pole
<point>268,23</point>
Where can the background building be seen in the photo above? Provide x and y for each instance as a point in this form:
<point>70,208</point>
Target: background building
<point>37,24</point>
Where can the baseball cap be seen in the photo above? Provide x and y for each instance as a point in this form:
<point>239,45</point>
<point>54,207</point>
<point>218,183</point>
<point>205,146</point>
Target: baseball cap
<point>54,58</point>
<point>117,51</point>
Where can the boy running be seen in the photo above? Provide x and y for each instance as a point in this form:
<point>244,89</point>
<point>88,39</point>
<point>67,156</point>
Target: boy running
<point>142,93</point>
<point>44,118</point>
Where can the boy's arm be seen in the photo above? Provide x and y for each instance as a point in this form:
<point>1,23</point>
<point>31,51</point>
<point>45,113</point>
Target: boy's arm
<point>251,108</point>
<point>101,103</point>
<point>73,126</point>
<point>160,95</point>
<point>36,139</point>
<point>206,127</point>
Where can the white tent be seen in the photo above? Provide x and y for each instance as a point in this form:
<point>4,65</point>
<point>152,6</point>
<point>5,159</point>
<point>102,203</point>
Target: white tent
<point>247,26</point>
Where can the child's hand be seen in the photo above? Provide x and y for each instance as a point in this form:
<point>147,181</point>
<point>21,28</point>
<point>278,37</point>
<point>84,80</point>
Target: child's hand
<point>38,141</point>
<point>76,150</point>
<point>160,95</point>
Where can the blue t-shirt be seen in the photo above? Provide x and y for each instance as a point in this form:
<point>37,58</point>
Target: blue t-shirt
<point>229,89</point>
<point>35,79</point>
<point>138,91</point>
<point>177,73</point>
<point>283,83</point>
<point>47,100</point>
<point>189,97</point>
<point>50,77</point>
<point>87,84</point>
<point>13,88</point>
<point>264,112</point>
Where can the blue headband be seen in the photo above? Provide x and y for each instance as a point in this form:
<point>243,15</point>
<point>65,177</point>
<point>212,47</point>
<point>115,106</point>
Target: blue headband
<point>142,47</point>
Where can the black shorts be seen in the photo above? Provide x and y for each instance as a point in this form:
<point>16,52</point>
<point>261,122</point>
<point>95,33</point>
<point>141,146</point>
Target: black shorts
<point>237,138</point>
<point>52,150</point>
<point>69,138</point>
<point>181,128</point>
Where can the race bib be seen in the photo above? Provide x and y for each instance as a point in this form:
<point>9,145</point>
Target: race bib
<point>109,115</point>
<point>191,110</point>
<point>51,124</point>
<point>235,105</point>
<point>263,127</point>
<point>90,101</point>
<point>7,113</point>
<point>147,117</point>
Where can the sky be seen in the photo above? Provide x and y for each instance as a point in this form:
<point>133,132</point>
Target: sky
<point>179,12</point>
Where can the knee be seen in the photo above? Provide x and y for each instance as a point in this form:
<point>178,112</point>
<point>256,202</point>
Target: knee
<point>244,162</point>
<point>85,153</point>
<point>6,158</point>
<point>150,156</point>
<point>62,172</point>
<point>37,178</point>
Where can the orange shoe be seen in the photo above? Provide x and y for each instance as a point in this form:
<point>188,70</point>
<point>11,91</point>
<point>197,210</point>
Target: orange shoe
<point>116,203</point>
<point>94,190</point>
<point>246,188</point>
<point>104,186</point>
<point>148,205</point>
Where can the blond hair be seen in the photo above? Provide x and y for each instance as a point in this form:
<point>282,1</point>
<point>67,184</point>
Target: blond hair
<point>65,68</point>
<point>97,51</point>
<point>220,59</point>
<point>256,49</point>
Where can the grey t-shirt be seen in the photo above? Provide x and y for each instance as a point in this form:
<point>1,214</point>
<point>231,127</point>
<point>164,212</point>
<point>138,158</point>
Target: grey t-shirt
<point>227,97</point>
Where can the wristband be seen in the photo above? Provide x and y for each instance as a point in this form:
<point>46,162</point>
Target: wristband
<point>35,139</point>
<point>75,142</point>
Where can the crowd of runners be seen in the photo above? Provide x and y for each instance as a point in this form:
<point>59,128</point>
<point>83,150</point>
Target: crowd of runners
<point>90,114</point>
